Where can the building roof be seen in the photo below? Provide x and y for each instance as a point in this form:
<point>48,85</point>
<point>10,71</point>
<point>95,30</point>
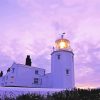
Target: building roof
<point>25,66</point>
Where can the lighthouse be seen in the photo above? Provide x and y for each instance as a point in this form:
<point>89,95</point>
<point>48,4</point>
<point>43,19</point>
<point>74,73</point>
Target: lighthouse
<point>62,70</point>
<point>62,64</point>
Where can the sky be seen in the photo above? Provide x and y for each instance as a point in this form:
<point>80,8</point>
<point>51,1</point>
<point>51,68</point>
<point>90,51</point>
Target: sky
<point>32,26</point>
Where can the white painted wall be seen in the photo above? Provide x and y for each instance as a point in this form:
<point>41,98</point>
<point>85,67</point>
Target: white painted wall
<point>59,66</point>
<point>47,81</point>
<point>23,76</point>
<point>0,81</point>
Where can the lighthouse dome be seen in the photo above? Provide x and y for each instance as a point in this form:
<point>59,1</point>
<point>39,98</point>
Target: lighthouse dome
<point>62,43</point>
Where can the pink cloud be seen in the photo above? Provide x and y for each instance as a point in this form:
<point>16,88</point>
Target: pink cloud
<point>32,26</point>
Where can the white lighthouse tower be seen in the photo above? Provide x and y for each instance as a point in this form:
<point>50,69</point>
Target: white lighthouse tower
<point>62,64</point>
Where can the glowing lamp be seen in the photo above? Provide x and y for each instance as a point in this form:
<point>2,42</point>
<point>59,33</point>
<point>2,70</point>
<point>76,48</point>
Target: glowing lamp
<point>62,44</point>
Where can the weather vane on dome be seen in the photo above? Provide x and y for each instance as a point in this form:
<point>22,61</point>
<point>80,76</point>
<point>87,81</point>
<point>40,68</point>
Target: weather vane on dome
<point>63,35</point>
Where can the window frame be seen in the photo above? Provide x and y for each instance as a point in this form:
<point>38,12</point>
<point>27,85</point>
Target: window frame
<point>67,72</point>
<point>58,56</point>
<point>36,72</point>
<point>36,80</point>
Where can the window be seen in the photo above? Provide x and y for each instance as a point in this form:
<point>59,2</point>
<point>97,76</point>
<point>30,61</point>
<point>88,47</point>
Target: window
<point>12,77</point>
<point>67,71</point>
<point>36,72</point>
<point>58,56</point>
<point>36,80</point>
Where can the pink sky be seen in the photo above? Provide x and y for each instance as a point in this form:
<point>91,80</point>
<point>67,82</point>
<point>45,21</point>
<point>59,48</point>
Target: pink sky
<point>32,26</point>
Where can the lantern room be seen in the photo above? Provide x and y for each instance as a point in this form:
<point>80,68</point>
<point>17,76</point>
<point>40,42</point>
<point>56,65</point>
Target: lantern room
<point>62,44</point>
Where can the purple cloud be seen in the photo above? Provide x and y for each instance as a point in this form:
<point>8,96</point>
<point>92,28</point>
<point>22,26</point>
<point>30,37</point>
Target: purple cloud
<point>32,26</point>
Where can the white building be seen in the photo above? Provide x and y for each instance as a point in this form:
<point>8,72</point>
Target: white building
<point>61,76</point>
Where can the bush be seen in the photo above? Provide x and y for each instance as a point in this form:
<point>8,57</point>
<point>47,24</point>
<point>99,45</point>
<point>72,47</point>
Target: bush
<point>30,97</point>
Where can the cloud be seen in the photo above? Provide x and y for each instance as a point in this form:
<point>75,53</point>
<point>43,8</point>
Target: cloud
<point>87,64</point>
<point>32,26</point>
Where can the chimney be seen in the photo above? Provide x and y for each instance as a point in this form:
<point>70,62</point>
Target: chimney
<point>28,60</point>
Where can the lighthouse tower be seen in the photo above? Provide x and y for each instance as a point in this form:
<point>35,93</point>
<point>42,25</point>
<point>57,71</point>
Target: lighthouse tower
<point>62,64</point>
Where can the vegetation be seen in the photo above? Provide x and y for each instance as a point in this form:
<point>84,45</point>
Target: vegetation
<point>30,97</point>
<point>75,94</point>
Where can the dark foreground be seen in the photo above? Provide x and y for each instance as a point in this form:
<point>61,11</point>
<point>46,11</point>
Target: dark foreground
<point>75,94</point>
